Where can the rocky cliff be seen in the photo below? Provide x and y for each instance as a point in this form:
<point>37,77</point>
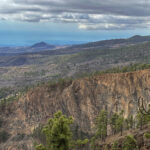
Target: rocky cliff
<point>82,99</point>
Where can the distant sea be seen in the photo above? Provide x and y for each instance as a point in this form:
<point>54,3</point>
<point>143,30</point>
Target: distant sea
<point>14,39</point>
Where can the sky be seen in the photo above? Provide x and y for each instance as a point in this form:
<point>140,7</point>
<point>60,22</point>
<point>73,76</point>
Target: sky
<point>62,22</point>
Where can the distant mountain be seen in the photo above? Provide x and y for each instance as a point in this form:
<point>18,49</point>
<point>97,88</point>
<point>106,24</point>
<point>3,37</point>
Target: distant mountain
<point>115,42</point>
<point>138,38</point>
<point>37,47</point>
<point>43,45</point>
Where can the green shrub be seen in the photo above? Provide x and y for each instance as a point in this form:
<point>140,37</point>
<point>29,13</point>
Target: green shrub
<point>40,147</point>
<point>1,122</point>
<point>121,69</point>
<point>92,143</point>
<point>147,135</point>
<point>60,83</point>
<point>4,135</point>
<point>19,137</point>
<point>106,147</point>
<point>4,92</point>
<point>115,146</point>
<point>129,143</point>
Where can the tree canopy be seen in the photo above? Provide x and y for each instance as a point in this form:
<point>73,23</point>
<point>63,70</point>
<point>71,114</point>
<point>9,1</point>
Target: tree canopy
<point>59,135</point>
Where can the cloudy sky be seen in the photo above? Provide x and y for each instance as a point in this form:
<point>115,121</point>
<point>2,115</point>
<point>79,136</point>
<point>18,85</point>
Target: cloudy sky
<point>24,22</point>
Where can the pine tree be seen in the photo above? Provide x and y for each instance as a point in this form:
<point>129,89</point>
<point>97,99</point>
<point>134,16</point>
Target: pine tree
<point>116,122</point>
<point>120,122</point>
<point>59,135</point>
<point>131,121</point>
<point>113,123</point>
<point>141,120</point>
<point>101,125</point>
<point>127,124</point>
<point>145,113</point>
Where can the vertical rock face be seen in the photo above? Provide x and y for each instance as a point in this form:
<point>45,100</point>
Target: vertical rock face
<point>82,99</point>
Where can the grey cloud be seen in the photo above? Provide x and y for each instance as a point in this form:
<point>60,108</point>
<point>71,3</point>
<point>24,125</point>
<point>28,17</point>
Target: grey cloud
<point>119,7</point>
<point>19,10</point>
<point>89,14</point>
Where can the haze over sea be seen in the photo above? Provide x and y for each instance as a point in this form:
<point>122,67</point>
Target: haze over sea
<point>14,33</point>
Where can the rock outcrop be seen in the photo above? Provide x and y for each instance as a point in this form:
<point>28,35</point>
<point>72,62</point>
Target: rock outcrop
<point>83,99</point>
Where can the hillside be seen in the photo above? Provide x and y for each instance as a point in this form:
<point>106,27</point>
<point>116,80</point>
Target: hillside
<point>83,99</point>
<point>115,42</point>
<point>29,68</point>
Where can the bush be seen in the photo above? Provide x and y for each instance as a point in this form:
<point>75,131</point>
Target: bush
<point>147,135</point>
<point>1,122</point>
<point>115,146</point>
<point>92,143</point>
<point>40,147</point>
<point>106,147</point>
<point>60,83</point>
<point>4,135</point>
<point>4,92</point>
<point>19,137</point>
<point>129,143</point>
<point>121,69</point>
